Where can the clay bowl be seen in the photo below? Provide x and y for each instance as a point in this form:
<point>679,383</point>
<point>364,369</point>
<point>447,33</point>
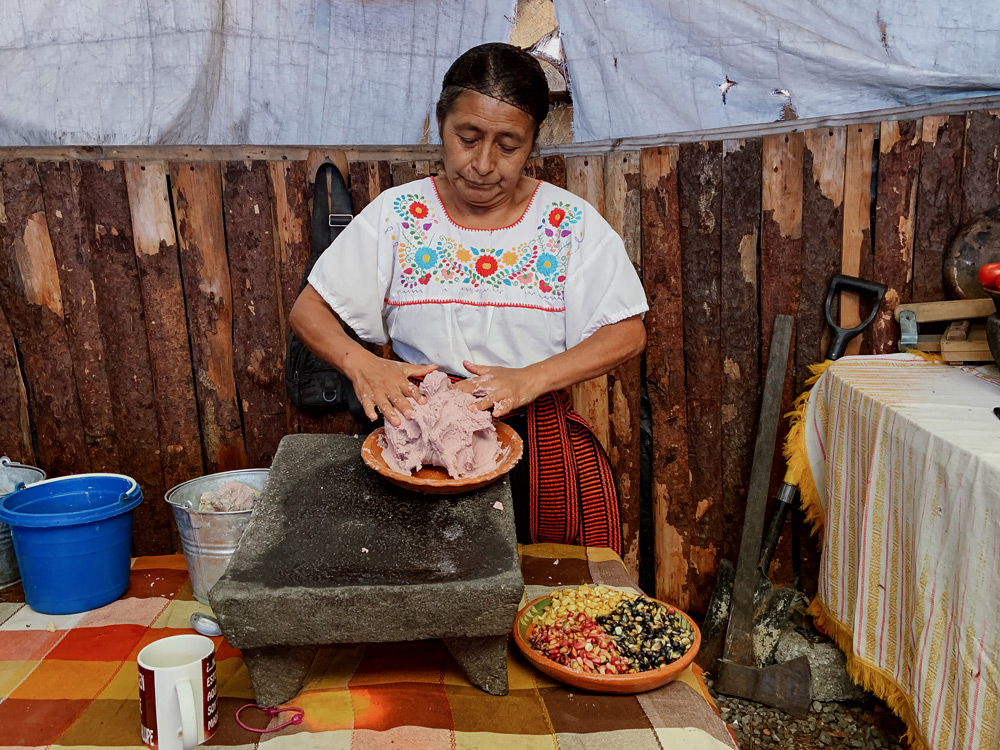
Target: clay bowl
<point>638,682</point>
<point>433,480</point>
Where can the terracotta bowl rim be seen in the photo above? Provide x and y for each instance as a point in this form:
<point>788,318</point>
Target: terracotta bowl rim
<point>371,453</point>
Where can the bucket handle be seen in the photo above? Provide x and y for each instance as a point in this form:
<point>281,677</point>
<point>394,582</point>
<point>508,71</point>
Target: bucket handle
<point>19,486</point>
<point>131,494</point>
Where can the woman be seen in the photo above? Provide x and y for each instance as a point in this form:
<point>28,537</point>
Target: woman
<point>515,284</point>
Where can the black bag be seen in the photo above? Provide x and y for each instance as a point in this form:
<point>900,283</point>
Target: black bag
<point>312,383</point>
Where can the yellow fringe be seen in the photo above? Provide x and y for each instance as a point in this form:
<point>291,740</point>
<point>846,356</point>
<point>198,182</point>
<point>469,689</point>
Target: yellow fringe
<point>869,676</point>
<point>798,471</point>
<point>929,356</point>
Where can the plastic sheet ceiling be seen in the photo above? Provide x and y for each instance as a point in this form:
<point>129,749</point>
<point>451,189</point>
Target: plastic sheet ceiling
<point>280,72</point>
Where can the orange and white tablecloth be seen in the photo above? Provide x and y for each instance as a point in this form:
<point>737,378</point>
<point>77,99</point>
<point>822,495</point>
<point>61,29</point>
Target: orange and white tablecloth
<point>905,485</point>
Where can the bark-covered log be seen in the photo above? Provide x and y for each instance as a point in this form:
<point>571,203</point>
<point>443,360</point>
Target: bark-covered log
<point>208,296</point>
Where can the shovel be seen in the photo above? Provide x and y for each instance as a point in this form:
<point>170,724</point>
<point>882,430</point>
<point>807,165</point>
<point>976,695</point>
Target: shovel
<point>757,611</point>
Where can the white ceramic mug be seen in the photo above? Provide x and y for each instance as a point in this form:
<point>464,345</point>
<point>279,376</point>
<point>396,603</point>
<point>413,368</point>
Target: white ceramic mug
<point>178,695</point>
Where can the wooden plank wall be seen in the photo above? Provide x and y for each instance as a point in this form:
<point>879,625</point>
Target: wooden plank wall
<point>144,306</point>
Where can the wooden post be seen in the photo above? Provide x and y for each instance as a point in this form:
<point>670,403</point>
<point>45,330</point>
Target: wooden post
<point>368,180</point>
<point>892,248</point>
<point>824,159</point>
<point>123,322</point>
<point>740,325</point>
<point>258,340</point>
<point>621,200</point>
<point>939,202</point>
<point>980,181</point>
<point>292,188</point>
<point>661,268</point>
<point>14,421</point>
<point>781,231</point>
<point>585,178</point>
<point>197,192</point>
<point>408,171</point>
<point>72,245</point>
<point>781,266</point>
<point>699,180</point>
<point>33,305</point>
<point>856,248</point>
<point>166,320</point>
<point>552,169</point>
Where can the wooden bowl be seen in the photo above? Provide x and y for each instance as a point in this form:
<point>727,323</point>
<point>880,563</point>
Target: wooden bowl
<point>637,682</point>
<point>434,480</point>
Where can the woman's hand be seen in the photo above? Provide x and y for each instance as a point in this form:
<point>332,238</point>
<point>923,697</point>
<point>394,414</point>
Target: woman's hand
<point>385,385</point>
<point>503,388</point>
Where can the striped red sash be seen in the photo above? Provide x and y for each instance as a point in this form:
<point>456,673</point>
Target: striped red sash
<point>573,495</point>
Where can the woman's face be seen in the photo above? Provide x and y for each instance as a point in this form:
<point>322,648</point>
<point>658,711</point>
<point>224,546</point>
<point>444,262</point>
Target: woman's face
<point>486,144</point>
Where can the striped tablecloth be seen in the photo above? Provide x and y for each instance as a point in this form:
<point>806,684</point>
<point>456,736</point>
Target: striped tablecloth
<point>71,682</point>
<point>905,458</point>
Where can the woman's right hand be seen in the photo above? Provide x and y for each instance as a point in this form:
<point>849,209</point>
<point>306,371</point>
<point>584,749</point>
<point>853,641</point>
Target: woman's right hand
<point>385,385</point>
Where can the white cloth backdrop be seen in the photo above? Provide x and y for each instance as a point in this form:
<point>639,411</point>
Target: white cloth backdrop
<point>644,67</point>
<point>281,72</point>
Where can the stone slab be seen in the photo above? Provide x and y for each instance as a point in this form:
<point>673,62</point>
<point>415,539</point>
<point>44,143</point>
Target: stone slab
<point>335,554</point>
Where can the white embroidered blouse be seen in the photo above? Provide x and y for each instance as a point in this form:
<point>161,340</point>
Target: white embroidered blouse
<point>443,293</point>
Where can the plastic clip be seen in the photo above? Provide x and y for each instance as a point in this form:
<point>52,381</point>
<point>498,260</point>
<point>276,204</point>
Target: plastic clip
<point>270,713</point>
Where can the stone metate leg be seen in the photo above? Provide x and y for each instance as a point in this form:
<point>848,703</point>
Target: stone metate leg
<point>277,671</point>
<point>483,659</point>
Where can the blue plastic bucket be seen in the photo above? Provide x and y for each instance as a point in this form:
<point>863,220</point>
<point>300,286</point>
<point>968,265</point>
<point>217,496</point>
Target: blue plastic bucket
<point>73,539</point>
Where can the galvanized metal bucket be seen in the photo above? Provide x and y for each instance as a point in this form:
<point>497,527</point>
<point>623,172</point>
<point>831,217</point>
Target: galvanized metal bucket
<point>209,539</point>
<point>11,475</point>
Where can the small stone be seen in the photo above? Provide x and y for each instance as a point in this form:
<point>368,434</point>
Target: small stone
<point>817,706</point>
<point>825,739</point>
<point>365,550</point>
<point>498,505</point>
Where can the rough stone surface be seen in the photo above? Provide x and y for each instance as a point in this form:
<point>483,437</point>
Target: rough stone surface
<point>826,662</point>
<point>334,554</point>
<point>277,671</point>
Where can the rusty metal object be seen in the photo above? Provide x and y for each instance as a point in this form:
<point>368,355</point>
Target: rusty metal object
<point>977,243</point>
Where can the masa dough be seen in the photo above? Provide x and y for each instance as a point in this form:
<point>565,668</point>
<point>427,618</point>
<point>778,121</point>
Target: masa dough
<point>443,432</point>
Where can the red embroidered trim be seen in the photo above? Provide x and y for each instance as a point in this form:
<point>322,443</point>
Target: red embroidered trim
<point>527,208</point>
<point>473,304</point>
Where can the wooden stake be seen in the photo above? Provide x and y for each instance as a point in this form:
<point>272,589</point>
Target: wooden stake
<point>892,249</point>
<point>585,178</point>
<point>197,192</point>
<point>856,247</point>
<point>699,178</point>
<point>166,320</point>
<point>33,305</point>
<point>258,340</point>
<point>621,195</point>
<point>661,264</point>
<point>104,197</point>
<point>72,245</point>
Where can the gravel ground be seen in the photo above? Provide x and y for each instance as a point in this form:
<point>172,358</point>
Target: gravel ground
<point>866,724</point>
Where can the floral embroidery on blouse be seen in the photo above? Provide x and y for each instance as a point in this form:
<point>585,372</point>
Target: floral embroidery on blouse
<point>537,267</point>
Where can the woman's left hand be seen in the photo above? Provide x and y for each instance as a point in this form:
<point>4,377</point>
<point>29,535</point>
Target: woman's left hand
<point>503,389</point>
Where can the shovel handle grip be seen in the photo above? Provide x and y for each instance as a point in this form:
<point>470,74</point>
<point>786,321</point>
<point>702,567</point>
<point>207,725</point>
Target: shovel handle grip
<point>841,336</point>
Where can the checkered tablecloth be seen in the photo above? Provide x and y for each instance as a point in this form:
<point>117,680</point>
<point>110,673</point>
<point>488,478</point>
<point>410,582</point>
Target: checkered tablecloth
<point>71,682</point>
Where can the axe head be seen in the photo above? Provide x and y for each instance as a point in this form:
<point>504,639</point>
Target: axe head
<point>787,685</point>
